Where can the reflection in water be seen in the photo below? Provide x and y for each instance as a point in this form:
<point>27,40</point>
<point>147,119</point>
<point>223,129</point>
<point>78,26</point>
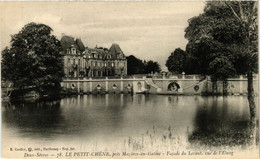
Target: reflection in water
<point>118,118</point>
<point>219,124</point>
<point>33,119</point>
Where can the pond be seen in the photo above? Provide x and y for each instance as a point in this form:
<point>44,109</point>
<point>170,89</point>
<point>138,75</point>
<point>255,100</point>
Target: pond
<point>118,122</point>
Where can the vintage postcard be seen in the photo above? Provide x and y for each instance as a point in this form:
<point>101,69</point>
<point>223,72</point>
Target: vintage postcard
<point>129,79</point>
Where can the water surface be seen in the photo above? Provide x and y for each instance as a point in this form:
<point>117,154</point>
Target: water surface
<point>117,122</point>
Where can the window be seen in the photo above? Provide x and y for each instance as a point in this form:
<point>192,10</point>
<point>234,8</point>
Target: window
<point>95,63</point>
<point>73,61</point>
<point>91,63</point>
<point>73,51</point>
<point>105,64</point>
<point>112,64</point>
<point>68,60</point>
<point>108,64</point>
<point>79,62</point>
<point>68,51</point>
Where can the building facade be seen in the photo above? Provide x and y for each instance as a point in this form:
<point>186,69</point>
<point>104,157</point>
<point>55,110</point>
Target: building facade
<point>81,61</point>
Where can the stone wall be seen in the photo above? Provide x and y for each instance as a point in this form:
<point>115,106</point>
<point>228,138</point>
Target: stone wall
<point>187,84</point>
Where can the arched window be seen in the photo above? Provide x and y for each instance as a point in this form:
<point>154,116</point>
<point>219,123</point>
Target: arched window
<point>112,64</point>
<point>73,51</point>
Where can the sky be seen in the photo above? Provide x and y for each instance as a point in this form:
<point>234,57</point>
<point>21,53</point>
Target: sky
<point>147,30</point>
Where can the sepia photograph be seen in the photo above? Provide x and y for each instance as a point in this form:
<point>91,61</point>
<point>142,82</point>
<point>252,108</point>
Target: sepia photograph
<point>129,79</point>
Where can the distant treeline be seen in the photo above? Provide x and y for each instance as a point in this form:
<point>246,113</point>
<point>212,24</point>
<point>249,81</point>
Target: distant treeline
<point>137,66</point>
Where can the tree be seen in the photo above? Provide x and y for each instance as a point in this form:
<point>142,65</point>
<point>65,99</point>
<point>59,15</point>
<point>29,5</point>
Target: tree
<point>152,67</point>
<point>134,65</point>
<point>34,59</point>
<point>176,61</point>
<point>228,31</point>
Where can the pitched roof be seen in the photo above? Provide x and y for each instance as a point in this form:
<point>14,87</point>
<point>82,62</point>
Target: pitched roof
<point>115,49</point>
<point>97,51</point>
<point>68,41</point>
<point>80,45</point>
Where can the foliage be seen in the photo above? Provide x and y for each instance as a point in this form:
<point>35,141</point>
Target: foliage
<point>216,37</point>
<point>176,61</point>
<point>151,67</point>
<point>34,58</point>
<point>137,66</point>
<point>221,68</point>
<point>134,65</point>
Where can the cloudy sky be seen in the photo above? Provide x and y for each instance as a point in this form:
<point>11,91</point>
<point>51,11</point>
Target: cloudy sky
<point>147,30</point>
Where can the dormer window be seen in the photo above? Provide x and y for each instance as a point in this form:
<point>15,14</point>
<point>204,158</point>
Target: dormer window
<point>73,50</point>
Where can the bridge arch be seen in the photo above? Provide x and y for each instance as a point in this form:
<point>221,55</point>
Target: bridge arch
<point>173,86</point>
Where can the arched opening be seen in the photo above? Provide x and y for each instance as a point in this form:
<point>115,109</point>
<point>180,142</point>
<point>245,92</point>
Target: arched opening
<point>174,87</point>
<point>99,88</point>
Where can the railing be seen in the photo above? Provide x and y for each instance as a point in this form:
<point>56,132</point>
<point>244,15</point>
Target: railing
<point>185,77</point>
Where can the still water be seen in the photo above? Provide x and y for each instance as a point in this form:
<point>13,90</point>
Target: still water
<point>117,121</point>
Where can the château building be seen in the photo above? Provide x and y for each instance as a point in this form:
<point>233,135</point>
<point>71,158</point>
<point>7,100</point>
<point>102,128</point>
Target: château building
<point>81,61</point>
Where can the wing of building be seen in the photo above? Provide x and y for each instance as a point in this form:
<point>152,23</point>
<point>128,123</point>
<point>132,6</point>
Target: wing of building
<point>81,61</point>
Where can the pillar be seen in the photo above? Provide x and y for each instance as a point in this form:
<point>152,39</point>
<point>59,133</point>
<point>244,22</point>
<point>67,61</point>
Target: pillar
<point>106,84</point>
<point>241,84</point>
<point>85,86</point>
<point>78,85</point>
<point>90,85</point>
<point>121,82</point>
